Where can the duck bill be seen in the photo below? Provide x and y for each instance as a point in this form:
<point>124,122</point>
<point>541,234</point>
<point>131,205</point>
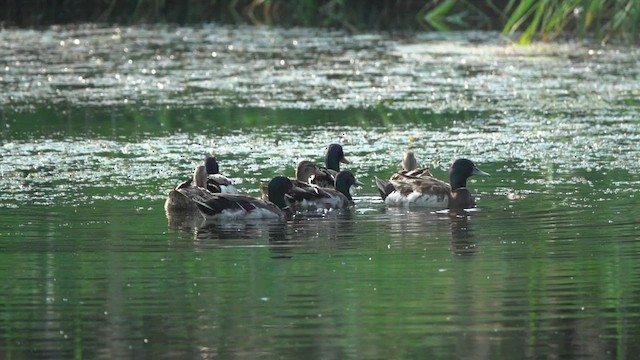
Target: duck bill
<point>345,161</point>
<point>479,172</point>
<point>358,183</point>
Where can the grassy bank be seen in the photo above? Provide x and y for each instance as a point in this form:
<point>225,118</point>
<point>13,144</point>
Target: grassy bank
<point>531,19</point>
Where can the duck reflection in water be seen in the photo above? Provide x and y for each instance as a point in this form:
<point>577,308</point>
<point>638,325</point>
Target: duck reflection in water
<point>462,243</point>
<point>204,230</point>
<point>335,229</point>
<point>419,227</point>
<point>283,240</point>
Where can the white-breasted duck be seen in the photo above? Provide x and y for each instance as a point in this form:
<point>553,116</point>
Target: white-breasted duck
<point>305,197</point>
<point>192,196</point>
<point>427,191</point>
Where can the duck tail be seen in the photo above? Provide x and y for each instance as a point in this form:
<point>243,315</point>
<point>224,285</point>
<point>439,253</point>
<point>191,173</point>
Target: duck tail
<point>385,188</point>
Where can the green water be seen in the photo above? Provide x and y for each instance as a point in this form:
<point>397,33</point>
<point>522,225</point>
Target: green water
<point>546,267</point>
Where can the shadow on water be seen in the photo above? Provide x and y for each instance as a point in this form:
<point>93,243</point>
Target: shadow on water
<point>335,229</point>
<point>127,122</point>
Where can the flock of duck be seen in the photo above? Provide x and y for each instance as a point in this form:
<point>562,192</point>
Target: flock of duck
<point>211,196</point>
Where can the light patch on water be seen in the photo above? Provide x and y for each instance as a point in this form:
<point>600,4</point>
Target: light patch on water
<point>73,170</point>
<point>561,115</point>
<point>308,68</point>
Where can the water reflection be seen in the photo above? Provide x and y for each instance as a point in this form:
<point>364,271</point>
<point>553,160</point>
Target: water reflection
<point>335,228</point>
<point>417,227</point>
<point>383,277</point>
<point>462,238</point>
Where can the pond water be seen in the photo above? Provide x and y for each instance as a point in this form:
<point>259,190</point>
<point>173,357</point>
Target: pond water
<point>98,124</point>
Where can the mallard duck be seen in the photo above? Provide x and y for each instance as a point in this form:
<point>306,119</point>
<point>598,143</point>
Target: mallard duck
<point>327,174</point>
<point>216,182</point>
<point>410,168</point>
<point>192,197</point>
<point>303,197</point>
<point>430,192</point>
<point>305,171</point>
<point>181,199</point>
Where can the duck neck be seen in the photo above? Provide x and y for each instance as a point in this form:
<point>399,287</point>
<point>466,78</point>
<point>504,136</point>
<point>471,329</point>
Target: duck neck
<point>343,187</point>
<point>212,166</point>
<point>409,162</point>
<point>332,163</point>
<point>456,181</point>
<point>277,197</point>
<point>200,176</point>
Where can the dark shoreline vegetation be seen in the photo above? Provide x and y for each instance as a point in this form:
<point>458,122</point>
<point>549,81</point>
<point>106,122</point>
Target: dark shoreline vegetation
<point>531,20</point>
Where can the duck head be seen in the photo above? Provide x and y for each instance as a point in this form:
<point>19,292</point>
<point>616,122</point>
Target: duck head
<point>334,157</point>
<point>212,165</point>
<point>345,182</point>
<point>461,170</point>
<point>277,188</point>
<point>305,170</point>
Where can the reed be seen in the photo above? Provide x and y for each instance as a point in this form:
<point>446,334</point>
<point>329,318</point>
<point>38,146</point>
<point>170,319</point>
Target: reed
<point>603,20</point>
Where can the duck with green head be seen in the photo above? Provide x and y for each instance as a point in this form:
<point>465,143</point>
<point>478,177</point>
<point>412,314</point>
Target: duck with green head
<point>193,197</point>
<point>424,191</point>
<point>313,197</point>
<point>327,174</point>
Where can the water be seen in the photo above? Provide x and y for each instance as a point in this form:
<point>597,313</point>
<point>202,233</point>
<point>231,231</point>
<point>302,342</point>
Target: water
<point>546,267</point>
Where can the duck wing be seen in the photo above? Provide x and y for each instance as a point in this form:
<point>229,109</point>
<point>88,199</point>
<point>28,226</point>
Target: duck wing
<point>385,188</point>
<point>218,183</point>
<point>237,206</point>
<point>309,196</point>
<point>184,197</point>
<point>416,173</point>
<point>421,173</point>
<point>429,185</point>
<point>325,178</point>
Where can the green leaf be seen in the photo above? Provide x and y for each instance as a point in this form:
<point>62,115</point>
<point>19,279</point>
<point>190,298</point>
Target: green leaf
<point>434,17</point>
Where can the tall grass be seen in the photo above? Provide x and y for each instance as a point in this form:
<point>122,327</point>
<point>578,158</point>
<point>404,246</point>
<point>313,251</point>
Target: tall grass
<point>604,20</point>
<point>549,19</point>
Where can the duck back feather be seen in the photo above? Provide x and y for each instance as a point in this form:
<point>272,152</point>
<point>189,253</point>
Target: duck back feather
<point>234,206</point>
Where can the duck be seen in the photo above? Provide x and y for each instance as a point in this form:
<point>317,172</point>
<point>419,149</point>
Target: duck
<point>410,168</point>
<point>305,171</point>
<point>427,191</point>
<point>216,182</point>
<point>305,197</point>
<point>327,174</point>
<point>192,197</point>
